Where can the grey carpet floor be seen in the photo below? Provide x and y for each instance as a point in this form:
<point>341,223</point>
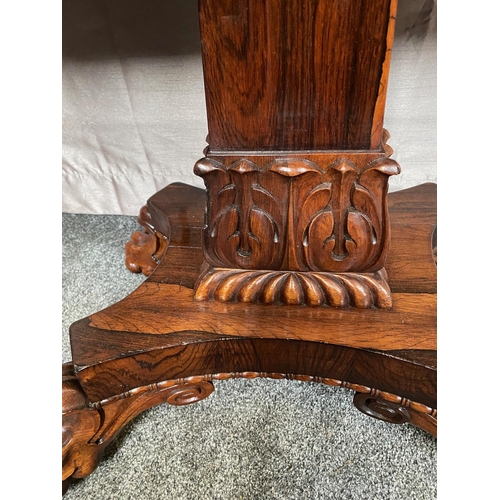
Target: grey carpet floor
<point>251,439</point>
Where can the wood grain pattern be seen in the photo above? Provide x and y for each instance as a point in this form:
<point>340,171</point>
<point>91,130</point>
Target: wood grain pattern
<point>145,248</point>
<point>309,74</point>
<point>107,374</point>
<point>410,267</point>
<point>297,174</point>
<point>289,79</point>
<point>171,308</point>
<point>378,114</point>
<point>159,345</point>
<point>88,428</point>
<point>161,326</point>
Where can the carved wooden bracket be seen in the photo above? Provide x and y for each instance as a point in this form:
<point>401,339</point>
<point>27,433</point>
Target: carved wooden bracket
<point>395,410</point>
<point>87,428</point>
<point>146,248</point>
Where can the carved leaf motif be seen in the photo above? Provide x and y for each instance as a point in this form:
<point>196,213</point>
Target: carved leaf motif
<point>325,237</point>
<point>242,230</point>
<point>365,202</point>
<point>250,246</point>
<point>348,234</point>
<point>222,233</point>
<point>370,216</point>
<point>371,199</point>
<point>292,215</point>
<point>375,174</point>
<point>319,196</point>
<point>226,195</point>
<point>364,243</point>
<point>320,242</point>
<point>299,188</point>
<point>290,167</point>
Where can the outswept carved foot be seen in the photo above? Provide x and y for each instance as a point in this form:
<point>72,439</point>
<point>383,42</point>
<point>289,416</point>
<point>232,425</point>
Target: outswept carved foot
<point>87,428</point>
<point>146,248</point>
<point>80,422</point>
<point>362,290</point>
<point>396,410</point>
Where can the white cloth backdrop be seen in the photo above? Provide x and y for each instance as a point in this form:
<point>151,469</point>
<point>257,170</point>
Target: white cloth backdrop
<point>134,115</point>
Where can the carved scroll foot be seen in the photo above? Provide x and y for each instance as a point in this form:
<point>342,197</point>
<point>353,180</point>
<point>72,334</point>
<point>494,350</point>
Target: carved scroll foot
<point>87,428</point>
<point>361,290</point>
<point>80,423</point>
<point>146,248</point>
<point>396,411</point>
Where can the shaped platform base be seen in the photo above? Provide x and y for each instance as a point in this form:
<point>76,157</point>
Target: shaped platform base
<point>161,345</point>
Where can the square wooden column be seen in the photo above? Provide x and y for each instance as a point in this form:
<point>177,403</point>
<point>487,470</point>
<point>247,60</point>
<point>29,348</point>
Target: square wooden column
<point>297,167</point>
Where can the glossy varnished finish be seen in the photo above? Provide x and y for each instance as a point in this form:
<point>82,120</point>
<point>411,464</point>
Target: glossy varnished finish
<point>292,213</point>
<point>297,167</point>
<point>310,74</point>
<point>297,172</point>
<point>161,327</point>
<point>160,345</point>
<point>145,248</point>
<point>412,215</point>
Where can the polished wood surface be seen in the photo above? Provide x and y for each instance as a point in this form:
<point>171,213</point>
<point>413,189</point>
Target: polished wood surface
<point>88,428</point>
<point>297,164</point>
<point>160,345</point>
<point>161,320</point>
<point>145,248</point>
<point>310,74</point>
<point>298,215</point>
<point>295,262</point>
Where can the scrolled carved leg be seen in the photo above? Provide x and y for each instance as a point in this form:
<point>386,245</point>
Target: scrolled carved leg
<point>87,428</point>
<point>396,411</point>
<point>146,248</point>
<point>80,422</point>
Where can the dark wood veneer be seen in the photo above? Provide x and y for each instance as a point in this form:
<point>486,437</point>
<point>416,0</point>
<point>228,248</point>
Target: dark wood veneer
<point>295,262</point>
<point>310,74</point>
<point>159,345</point>
<point>161,319</point>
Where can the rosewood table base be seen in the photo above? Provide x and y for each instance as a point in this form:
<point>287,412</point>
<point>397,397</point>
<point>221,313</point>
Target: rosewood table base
<point>161,345</point>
